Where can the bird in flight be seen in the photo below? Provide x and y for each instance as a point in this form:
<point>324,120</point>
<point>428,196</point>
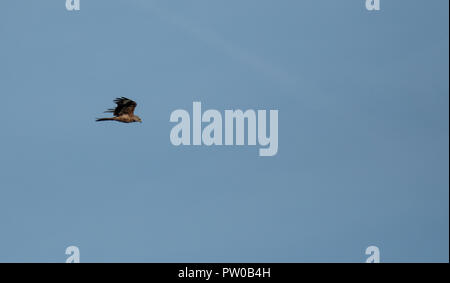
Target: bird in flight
<point>124,111</point>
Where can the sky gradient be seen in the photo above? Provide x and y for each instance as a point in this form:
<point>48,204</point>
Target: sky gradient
<point>363,156</point>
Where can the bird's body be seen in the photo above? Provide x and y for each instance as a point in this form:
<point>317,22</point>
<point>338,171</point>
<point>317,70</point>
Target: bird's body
<point>124,111</point>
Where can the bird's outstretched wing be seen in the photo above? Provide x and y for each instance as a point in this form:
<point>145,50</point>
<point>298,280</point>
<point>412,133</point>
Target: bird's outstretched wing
<point>124,106</point>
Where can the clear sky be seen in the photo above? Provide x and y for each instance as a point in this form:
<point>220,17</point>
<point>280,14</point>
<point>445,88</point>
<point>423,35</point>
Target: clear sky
<point>363,158</point>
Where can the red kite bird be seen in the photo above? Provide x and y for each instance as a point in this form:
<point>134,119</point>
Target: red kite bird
<point>124,112</point>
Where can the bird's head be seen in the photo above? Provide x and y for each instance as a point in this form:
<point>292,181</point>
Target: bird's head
<point>137,119</point>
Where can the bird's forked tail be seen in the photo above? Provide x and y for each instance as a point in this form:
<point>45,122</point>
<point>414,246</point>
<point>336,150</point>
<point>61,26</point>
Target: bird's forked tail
<point>104,119</point>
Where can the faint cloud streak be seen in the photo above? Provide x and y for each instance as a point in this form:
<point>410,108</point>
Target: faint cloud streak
<point>210,37</point>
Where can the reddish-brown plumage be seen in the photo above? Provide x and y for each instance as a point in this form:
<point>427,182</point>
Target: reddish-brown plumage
<point>124,111</point>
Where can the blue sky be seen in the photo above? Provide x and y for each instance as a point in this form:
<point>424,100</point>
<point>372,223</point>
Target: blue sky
<point>363,131</point>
